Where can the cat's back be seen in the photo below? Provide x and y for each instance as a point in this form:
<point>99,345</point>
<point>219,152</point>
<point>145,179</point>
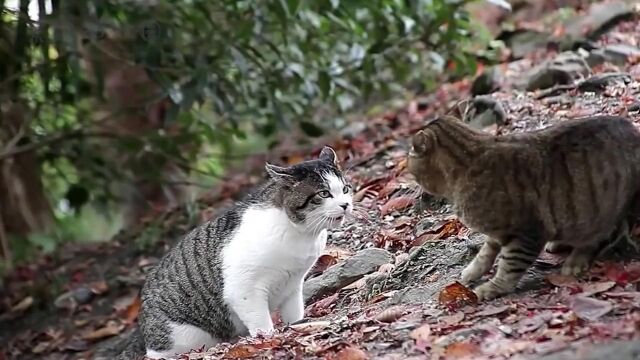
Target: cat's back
<point>575,176</point>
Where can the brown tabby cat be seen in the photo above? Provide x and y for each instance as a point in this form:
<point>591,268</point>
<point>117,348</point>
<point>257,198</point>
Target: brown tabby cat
<point>569,184</point>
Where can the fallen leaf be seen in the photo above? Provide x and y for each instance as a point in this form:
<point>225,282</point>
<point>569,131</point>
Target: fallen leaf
<point>596,288</point>
<point>351,353</point>
<point>460,350</point>
<point>398,203</point>
<point>491,310</point>
<point>241,351</point>
<point>132,311</point>
<point>23,305</point>
<point>616,272</point>
<point>322,307</point>
<point>453,319</point>
<point>560,280</point>
<point>310,327</point>
<point>246,351</point>
<point>534,322</point>
<point>358,284</point>
<point>324,262</point>
<point>360,194</point>
<point>549,347</point>
<point>422,336</point>
<point>386,268</point>
<point>588,308</point>
<point>390,314</point>
<point>99,287</point>
<point>111,329</point>
<point>41,347</point>
<point>457,295</point>
<point>388,189</point>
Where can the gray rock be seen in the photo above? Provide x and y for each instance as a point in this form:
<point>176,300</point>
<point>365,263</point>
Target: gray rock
<point>600,17</point>
<point>618,350</point>
<point>600,82</point>
<point>524,42</point>
<point>73,298</point>
<point>617,54</point>
<point>416,295</point>
<point>564,69</point>
<point>487,82</point>
<point>344,273</point>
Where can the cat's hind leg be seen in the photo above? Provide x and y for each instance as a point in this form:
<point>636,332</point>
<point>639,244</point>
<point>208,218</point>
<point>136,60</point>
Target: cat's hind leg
<point>580,259</point>
<point>515,258</point>
<point>182,338</point>
<point>482,262</point>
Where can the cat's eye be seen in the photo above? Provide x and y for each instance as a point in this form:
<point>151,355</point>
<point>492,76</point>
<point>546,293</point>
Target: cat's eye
<point>324,194</point>
<point>346,189</point>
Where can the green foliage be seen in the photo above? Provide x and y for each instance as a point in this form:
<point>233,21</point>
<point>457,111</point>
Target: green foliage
<point>234,70</point>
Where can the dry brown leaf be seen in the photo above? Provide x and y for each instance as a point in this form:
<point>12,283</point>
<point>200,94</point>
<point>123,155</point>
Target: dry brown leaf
<point>41,347</point>
<point>338,252</point>
<point>462,350</point>
<point>422,336</point>
<point>589,308</point>
<point>390,314</point>
<point>351,353</point>
<point>132,311</point>
<point>310,327</point>
<point>388,189</point>
<point>493,310</point>
<point>360,194</point>
<point>322,307</point>
<point>560,280</point>
<point>452,319</point>
<point>111,329</point>
<point>99,287</point>
<point>241,351</point>
<point>324,262</point>
<point>596,288</point>
<point>386,268</point>
<point>23,305</point>
<point>398,203</point>
<point>457,295</point>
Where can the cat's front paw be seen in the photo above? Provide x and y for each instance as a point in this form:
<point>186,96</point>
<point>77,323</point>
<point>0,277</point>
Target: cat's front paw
<point>575,266</point>
<point>553,247</point>
<point>471,273</point>
<point>489,291</point>
<point>263,332</point>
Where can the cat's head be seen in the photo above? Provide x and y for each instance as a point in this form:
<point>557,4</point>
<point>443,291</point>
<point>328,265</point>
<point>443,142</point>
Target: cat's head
<point>314,193</point>
<point>425,161</point>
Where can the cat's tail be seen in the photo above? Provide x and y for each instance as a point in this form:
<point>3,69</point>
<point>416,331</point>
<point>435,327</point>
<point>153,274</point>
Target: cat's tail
<point>130,347</point>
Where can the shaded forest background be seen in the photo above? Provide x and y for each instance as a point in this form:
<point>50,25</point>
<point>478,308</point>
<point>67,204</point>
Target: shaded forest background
<point>111,111</point>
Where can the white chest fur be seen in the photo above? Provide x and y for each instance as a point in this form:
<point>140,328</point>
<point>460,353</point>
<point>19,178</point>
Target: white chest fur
<point>264,266</point>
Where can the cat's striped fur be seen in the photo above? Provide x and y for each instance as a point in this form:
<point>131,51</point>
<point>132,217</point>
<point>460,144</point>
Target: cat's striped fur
<point>572,184</point>
<point>225,277</point>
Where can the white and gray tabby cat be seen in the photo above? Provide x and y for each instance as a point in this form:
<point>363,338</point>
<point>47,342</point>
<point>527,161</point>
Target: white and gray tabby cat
<point>226,277</point>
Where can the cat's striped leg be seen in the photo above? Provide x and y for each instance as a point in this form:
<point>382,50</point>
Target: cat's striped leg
<point>515,258</point>
<point>482,263</point>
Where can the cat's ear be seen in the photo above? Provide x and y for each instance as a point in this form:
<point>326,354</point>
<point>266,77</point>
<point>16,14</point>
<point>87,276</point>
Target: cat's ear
<point>422,141</point>
<point>327,154</point>
<point>279,173</point>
